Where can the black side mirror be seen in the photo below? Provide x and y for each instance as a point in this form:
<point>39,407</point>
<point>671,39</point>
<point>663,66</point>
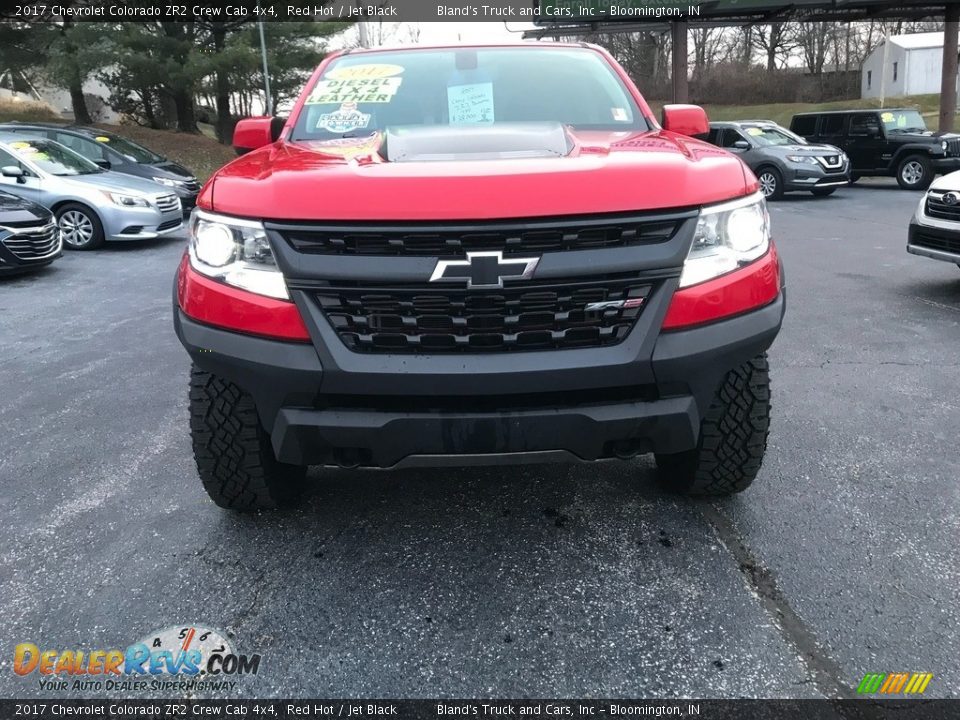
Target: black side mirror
<point>873,132</point>
<point>276,127</point>
<point>741,145</point>
<point>14,172</point>
<point>105,164</point>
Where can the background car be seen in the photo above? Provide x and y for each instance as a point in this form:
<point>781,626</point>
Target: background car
<point>935,228</point>
<point>782,161</point>
<point>890,142</point>
<point>29,237</point>
<point>115,152</point>
<point>91,204</point>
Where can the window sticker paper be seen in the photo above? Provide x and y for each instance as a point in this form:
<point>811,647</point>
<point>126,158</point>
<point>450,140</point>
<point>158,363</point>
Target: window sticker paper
<point>358,90</point>
<point>470,104</point>
<point>346,119</point>
<point>620,114</point>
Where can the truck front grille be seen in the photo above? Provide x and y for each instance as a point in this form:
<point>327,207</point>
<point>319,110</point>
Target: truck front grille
<point>34,243</point>
<point>455,239</point>
<point>953,147</point>
<point>937,208</point>
<point>537,316</point>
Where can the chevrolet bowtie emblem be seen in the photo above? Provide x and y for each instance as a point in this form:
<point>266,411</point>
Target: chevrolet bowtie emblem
<point>484,269</point>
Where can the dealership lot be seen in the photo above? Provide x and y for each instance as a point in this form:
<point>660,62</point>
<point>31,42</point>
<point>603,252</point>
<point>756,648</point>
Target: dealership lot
<point>538,580</point>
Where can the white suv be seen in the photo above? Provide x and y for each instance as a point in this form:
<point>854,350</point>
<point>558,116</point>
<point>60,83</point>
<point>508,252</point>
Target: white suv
<point>935,228</point>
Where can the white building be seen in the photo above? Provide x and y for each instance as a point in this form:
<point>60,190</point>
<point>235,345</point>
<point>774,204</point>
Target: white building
<point>911,67</point>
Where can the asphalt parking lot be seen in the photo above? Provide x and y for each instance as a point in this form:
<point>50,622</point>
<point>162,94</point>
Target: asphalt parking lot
<point>536,581</point>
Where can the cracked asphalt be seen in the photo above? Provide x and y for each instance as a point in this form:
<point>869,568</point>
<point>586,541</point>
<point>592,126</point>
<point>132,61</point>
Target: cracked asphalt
<point>536,581</point>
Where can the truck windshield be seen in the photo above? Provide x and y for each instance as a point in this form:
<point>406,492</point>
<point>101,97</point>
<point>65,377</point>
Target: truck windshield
<point>895,121</point>
<point>53,157</point>
<point>358,95</point>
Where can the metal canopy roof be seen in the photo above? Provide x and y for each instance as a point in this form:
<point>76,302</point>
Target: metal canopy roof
<point>731,12</point>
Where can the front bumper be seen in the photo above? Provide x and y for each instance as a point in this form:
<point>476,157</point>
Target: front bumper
<point>559,405</point>
<point>937,243</point>
<point>139,223</point>
<point>810,177</point>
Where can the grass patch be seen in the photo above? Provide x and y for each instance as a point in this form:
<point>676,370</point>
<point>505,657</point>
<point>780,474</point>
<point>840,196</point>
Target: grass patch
<point>781,113</point>
<point>26,111</point>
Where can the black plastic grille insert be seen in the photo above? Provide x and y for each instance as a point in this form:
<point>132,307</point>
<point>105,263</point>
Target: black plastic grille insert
<point>531,317</point>
<point>455,239</point>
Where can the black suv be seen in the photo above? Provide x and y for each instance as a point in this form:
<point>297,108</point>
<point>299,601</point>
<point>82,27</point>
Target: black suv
<point>893,143</point>
<point>115,152</point>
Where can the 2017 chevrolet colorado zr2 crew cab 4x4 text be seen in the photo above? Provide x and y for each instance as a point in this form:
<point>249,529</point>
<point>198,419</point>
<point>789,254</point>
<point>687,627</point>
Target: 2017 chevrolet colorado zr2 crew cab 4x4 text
<point>464,255</point>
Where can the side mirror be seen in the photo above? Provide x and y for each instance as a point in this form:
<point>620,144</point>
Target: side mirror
<point>252,133</point>
<point>12,171</point>
<point>685,120</point>
<point>873,131</point>
<point>105,164</point>
<point>741,145</point>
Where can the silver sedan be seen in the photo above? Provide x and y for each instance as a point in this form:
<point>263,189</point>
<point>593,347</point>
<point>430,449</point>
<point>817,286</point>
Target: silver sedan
<point>91,205</point>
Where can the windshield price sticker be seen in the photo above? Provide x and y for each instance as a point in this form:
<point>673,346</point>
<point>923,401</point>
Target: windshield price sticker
<point>357,90</point>
<point>470,104</point>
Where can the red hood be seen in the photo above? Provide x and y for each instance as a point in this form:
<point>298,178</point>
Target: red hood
<point>605,172</point>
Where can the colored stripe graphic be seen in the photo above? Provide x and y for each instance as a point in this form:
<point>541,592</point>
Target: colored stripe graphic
<point>871,683</point>
<point>894,683</point>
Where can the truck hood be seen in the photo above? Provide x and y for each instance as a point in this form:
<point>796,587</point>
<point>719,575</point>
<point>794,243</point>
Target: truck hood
<point>602,172</point>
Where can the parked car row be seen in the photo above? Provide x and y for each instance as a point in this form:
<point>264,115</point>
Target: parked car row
<point>825,150</point>
<point>79,187</point>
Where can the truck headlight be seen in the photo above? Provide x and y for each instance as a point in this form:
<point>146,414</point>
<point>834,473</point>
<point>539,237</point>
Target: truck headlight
<point>169,182</point>
<point>728,236</point>
<point>235,251</point>
<point>802,159</point>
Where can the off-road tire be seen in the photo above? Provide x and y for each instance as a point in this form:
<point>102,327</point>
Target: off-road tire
<point>733,437</point>
<point>233,453</point>
<point>925,178</point>
<point>823,192</point>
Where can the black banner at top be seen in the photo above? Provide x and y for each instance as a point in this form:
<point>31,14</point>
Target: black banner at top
<point>544,13</point>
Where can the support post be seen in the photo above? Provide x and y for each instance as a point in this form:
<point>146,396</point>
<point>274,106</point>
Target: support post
<point>681,90</point>
<point>948,73</point>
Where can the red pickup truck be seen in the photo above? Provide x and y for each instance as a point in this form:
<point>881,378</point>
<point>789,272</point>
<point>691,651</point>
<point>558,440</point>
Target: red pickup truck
<point>449,256</point>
